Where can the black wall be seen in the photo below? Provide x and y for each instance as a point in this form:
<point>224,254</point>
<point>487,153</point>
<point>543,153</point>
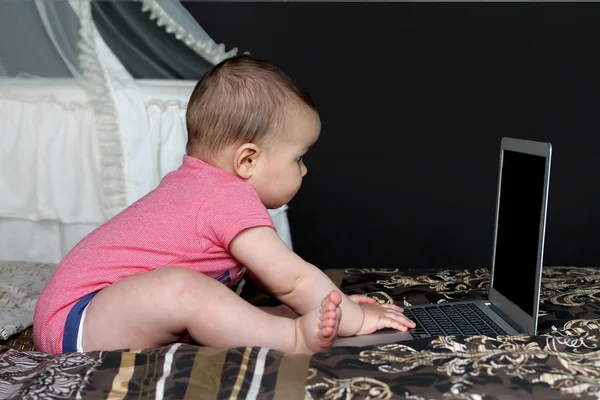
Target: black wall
<point>414,99</point>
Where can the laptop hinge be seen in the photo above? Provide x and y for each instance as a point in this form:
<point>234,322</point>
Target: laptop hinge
<point>502,315</point>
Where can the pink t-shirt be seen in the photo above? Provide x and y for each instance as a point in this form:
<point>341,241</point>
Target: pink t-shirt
<point>188,220</point>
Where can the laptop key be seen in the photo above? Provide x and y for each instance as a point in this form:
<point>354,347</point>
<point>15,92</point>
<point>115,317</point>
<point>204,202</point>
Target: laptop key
<point>452,319</point>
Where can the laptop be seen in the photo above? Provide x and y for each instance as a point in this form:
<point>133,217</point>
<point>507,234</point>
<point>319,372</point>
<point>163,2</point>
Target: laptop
<point>518,253</point>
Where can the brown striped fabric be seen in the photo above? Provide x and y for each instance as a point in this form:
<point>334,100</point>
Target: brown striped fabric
<point>204,379</point>
<point>291,377</point>
<point>562,362</point>
<point>120,384</point>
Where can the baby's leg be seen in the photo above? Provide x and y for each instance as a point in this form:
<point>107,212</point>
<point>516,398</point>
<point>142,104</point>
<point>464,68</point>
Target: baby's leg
<point>155,308</point>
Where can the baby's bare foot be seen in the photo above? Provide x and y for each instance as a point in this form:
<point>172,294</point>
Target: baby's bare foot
<point>317,330</point>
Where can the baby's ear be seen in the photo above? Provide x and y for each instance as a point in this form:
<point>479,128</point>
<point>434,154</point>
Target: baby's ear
<point>246,157</point>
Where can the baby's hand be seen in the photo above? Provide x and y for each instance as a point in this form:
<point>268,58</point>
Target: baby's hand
<point>381,316</point>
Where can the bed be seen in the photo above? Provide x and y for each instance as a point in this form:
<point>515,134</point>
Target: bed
<point>561,362</point>
<point>53,196</point>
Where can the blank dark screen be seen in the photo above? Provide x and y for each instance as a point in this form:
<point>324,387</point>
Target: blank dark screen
<point>521,197</point>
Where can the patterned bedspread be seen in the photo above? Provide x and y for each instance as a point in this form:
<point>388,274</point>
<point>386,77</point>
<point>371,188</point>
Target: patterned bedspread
<point>562,362</point>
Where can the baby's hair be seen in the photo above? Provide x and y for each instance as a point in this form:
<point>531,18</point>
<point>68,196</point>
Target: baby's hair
<point>241,100</point>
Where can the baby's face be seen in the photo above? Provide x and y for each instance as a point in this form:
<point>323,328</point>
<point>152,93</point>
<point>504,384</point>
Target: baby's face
<point>279,175</point>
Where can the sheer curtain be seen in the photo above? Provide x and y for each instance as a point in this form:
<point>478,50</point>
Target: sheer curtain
<point>157,39</point>
<point>78,128</point>
<point>25,39</point>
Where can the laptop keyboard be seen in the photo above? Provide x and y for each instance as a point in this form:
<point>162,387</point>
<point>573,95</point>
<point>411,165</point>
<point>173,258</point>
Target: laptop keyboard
<point>451,319</point>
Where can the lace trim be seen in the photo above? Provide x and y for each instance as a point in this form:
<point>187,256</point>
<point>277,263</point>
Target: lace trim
<point>207,49</point>
<point>107,127</point>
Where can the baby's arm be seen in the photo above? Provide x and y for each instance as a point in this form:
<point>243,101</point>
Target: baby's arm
<point>301,285</point>
<point>288,277</point>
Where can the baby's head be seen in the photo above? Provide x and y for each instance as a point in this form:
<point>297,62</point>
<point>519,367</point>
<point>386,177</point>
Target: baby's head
<point>251,119</point>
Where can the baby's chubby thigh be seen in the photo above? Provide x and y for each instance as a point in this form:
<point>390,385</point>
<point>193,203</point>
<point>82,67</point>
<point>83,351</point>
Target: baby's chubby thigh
<point>148,309</point>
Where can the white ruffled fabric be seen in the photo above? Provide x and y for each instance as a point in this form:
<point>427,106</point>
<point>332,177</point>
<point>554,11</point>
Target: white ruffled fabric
<point>49,156</point>
<point>165,103</point>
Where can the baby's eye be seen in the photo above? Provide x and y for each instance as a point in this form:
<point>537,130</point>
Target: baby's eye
<point>299,159</point>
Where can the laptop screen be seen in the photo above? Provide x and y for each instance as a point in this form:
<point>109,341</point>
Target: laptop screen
<point>518,235</point>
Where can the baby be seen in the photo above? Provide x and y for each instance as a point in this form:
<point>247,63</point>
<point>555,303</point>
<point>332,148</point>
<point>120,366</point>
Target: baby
<point>162,269</point>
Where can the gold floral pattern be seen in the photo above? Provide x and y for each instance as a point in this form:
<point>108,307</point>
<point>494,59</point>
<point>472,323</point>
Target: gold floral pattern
<point>354,388</point>
<point>476,355</point>
<point>576,348</point>
<point>568,286</point>
<point>562,362</point>
<point>575,372</point>
<point>444,282</point>
<point>372,271</point>
<point>583,328</point>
